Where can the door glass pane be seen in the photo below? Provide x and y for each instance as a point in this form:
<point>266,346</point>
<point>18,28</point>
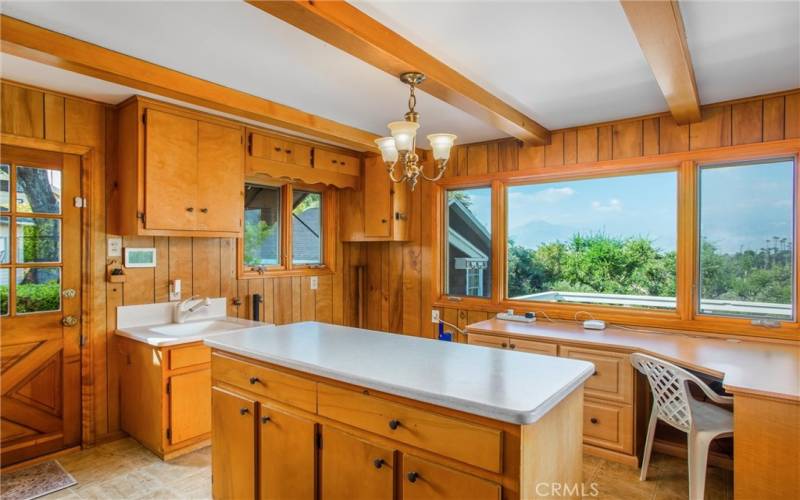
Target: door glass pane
<point>306,227</point>
<point>38,240</point>
<point>5,246</point>
<point>5,182</point>
<point>262,229</point>
<point>468,257</point>
<point>4,292</point>
<point>38,190</point>
<point>747,240</point>
<point>38,289</point>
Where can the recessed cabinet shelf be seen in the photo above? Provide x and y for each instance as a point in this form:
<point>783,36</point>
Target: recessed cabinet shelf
<point>179,173</point>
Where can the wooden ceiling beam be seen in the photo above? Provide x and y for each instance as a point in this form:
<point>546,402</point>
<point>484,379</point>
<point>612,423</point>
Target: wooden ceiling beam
<point>658,27</point>
<point>54,49</point>
<point>347,28</point>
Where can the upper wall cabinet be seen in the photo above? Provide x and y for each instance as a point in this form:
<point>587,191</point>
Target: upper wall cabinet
<point>179,173</point>
<point>280,157</point>
<point>378,211</point>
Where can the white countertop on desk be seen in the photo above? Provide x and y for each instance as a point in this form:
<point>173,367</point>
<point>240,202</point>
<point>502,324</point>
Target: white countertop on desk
<point>509,386</point>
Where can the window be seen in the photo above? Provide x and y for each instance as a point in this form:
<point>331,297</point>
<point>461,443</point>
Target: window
<point>608,241</point>
<point>469,242</point>
<point>747,240</point>
<point>306,228</point>
<point>283,229</point>
<point>262,225</point>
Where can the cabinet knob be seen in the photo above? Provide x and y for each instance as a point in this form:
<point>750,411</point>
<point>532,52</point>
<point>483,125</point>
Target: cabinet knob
<point>288,151</point>
<point>412,477</point>
<point>503,345</point>
<point>265,419</point>
<point>513,346</point>
<point>593,420</point>
<point>243,411</point>
<point>394,424</point>
<point>204,210</point>
<point>190,209</point>
<point>384,221</point>
<point>254,380</point>
<point>378,463</point>
<point>277,149</point>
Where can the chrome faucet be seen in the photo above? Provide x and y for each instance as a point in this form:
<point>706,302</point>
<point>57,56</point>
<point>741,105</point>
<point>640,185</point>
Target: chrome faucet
<point>183,308</point>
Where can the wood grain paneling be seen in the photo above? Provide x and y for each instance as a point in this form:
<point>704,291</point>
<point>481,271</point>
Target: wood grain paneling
<point>554,152</point>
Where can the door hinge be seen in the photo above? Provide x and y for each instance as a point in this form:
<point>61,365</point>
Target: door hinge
<point>79,202</point>
<point>169,434</point>
<point>82,341</point>
<point>169,387</point>
<point>144,118</point>
<point>140,216</point>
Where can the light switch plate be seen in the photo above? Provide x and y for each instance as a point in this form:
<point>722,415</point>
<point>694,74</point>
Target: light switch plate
<point>314,282</point>
<point>114,246</point>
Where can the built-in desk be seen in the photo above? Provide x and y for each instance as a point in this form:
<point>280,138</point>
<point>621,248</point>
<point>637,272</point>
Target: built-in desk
<point>764,378</point>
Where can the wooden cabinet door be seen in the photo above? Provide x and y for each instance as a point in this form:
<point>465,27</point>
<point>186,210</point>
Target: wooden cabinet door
<point>377,199</point>
<point>429,481</point>
<point>233,446</point>
<point>220,178</point>
<point>278,150</point>
<point>353,469</point>
<point>326,160</point>
<point>487,340</point>
<point>189,405</point>
<point>299,154</point>
<point>170,183</point>
<point>287,454</point>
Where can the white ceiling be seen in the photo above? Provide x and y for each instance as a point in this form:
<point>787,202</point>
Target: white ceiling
<point>562,63</point>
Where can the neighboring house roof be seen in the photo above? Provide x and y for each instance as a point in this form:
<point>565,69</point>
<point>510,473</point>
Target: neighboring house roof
<point>466,233</point>
<point>461,243</point>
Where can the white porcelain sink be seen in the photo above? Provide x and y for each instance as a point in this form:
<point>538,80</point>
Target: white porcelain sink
<point>197,328</point>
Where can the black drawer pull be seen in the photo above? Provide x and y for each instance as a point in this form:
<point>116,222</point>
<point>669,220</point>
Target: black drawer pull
<point>265,419</point>
<point>244,411</point>
<point>378,463</point>
<point>254,380</point>
<point>412,477</point>
<point>593,420</point>
<point>204,210</point>
<point>394,424</point>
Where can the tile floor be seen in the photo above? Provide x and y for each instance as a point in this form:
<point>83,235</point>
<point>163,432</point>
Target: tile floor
<point>123,469</point>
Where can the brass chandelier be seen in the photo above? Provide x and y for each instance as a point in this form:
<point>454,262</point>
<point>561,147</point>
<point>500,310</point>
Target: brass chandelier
<point>400,147</point>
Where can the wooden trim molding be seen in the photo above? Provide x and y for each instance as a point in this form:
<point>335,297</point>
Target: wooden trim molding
<point>344,26</point>
<point>54,49</point>
<point>658,27</point>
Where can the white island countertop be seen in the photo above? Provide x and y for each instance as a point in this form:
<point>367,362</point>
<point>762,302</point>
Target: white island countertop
<point>509,386</point>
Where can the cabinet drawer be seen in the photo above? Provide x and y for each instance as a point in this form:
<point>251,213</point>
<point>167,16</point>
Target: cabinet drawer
<point>608,425</point>
<point>487,340</point>
<point>426,480</point>
<point>534,347</point>
<point>613,377</point>
<point>461,440</point>
<point>336,162</point>
<point>189,356</point>
<point>265,381</point>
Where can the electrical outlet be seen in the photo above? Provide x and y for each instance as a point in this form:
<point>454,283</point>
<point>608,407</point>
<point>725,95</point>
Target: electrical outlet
<point>434,316</point>
<point>114,246</point>
<point>314,282</point>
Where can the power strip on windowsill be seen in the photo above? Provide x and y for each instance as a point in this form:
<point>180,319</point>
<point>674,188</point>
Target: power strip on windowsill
<point>521,318</point>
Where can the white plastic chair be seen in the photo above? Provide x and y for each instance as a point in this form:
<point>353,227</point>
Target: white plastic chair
<point>674,404</point>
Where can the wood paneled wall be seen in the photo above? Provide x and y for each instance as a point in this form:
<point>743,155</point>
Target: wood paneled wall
<point>398,294</point>
<point>206,266</point>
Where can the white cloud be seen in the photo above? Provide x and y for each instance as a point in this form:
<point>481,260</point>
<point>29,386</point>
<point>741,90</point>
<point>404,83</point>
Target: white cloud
<point>552,195</point>
<point>613,205</point>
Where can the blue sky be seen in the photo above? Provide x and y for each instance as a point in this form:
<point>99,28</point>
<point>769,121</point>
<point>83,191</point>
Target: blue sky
<point>742,207</point>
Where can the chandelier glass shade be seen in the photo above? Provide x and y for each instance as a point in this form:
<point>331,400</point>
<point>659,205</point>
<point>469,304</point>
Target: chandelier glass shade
<point>398,150</point>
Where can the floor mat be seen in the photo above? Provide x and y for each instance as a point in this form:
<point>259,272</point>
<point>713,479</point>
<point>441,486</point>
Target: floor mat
<point>35,481</point>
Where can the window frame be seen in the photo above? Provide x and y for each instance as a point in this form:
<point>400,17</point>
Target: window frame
<point>687,165</point>
<point>285,266</point>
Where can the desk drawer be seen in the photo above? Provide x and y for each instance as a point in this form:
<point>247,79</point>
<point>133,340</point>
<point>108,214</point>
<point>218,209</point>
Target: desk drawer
<point>534,347</point>
<point>181,357</point>
<point>265,381</point>
<point>487,340</point>
<point>613,377</point>
<point>464,441</point>
<point>608,425</point>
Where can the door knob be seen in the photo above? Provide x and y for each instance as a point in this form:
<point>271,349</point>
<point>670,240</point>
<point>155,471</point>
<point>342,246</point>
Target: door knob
<point>69,321</point>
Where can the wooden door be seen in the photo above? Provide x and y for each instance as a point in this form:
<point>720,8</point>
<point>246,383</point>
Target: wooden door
<point>40,303</point>
<point>233,446</point>
<point>170,186</point>
<point>220,178</point>
<point>189,405</point>
<point>429,481</point>
<point>377,199</point>
<point>353,469</point>
<point>288,455</point>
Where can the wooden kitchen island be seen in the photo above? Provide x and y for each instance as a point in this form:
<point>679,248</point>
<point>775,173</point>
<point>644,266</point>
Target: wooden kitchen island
<point>311,410</point>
